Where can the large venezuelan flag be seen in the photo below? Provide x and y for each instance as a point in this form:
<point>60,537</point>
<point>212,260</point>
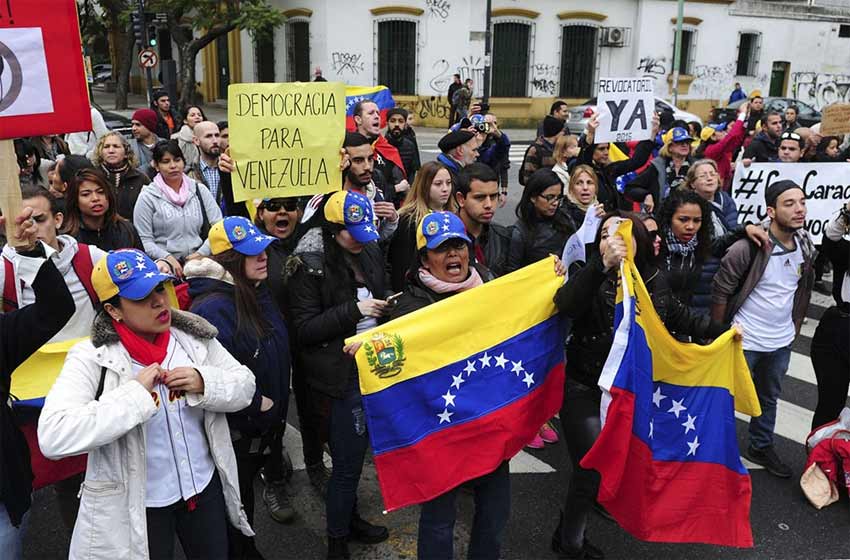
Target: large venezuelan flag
<point>381,95</point>
<point>454,389</point>
<point>668,453</point>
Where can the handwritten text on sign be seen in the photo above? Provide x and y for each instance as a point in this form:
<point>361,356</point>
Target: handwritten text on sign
<point>285,138</point>
<point>827,187</point>
<point>625,107</point>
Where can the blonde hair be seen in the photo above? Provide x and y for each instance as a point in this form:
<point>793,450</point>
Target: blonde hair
<point>562,144</point>
<point>574,175</point>
<point>692,172</point>
<point>97,157</point>
<point>416,204</point>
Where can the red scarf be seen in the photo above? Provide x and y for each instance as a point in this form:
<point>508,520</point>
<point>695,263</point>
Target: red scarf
<point>142,351</point>
<point>389,152</point>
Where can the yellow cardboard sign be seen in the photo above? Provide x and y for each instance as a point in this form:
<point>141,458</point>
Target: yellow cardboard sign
<point>285,138</point>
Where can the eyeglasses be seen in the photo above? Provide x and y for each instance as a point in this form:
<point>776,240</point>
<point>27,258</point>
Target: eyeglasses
<point>790,136</point>
<point>275,204</point>
<point>552,197</point>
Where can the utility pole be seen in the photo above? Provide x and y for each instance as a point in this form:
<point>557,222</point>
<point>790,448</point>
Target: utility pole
<point>488,36</point>
<point>143,38</point>
<point>677,52</point>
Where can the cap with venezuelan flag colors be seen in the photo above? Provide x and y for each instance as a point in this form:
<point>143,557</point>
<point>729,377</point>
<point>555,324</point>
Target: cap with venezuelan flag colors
<point>239,234</point>
<point>437,227</point>
<point>128,273</point>
<point>354,211</point>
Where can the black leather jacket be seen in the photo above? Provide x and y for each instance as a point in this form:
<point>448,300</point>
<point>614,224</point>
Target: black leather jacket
<point>588,299</point>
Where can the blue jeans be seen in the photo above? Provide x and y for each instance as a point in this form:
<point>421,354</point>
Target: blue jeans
<point>767,369</point>
<point>11,537</point>
<point>492,510</point>
<point>348,442</point>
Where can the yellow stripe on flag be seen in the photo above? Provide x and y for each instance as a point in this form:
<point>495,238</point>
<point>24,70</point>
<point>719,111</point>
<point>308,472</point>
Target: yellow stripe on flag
<point>34,378</point>
<point>500,309</point>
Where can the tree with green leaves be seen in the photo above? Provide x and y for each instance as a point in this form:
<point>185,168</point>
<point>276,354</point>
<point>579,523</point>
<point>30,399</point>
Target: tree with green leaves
<point>194,24</point>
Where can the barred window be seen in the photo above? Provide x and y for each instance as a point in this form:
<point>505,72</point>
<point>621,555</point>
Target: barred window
<point>397,56</point>
<point>578,60</point>
<point>511,43</point>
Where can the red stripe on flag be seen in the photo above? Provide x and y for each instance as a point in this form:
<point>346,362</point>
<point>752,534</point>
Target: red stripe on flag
<point>468,450</point>
<point>667,501</point>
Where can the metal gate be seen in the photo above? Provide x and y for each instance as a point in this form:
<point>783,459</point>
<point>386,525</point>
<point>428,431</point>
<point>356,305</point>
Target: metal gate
<point>579,44</point>
<point>510,59</point>
<point>397,56</point>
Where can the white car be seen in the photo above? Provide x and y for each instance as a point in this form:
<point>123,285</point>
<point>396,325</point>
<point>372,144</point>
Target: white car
<point>578,117</point>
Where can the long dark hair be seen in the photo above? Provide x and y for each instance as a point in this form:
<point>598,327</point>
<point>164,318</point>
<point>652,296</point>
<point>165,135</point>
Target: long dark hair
<point>539,181</point>
<point>644,253</point>
<point>677,199</point>
<point>73,216</point>
<point>25,148</point>
<point>248,313</point>
<point>167,147</point>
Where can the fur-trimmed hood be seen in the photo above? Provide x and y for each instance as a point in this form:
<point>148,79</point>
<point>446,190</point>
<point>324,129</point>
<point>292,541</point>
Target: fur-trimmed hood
<point>103,333</point>
<point>206,268</point>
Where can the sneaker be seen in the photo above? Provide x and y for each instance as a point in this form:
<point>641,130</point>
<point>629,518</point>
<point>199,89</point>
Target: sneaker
<point>277,502</point>
<point>548,434</point>
<point>768,458</point>
<point>536,443</point>
<point>319,476</point>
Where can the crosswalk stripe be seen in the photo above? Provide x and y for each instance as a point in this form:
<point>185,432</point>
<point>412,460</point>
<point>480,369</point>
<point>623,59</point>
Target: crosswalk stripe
<point>527,463</point>
<point>792,422</point>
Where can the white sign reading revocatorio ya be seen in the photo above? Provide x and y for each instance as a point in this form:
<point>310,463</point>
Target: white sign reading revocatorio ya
<point>625,108</point>
<point>827,188</point>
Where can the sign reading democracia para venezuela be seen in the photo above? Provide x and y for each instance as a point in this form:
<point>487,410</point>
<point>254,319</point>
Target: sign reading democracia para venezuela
<point>285,138</point>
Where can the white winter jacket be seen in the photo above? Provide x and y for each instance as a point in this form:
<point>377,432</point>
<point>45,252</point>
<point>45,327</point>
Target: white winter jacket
<point>111,523</point>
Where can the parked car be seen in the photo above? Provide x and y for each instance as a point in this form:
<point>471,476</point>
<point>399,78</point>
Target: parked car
<point>115,122</point>
<point>806,114</point>
<point>577,120</point>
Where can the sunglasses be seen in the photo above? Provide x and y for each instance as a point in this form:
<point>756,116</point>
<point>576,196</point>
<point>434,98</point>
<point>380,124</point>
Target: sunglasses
<point>274,205</point>
<point>791,136</point>
<point>653,234</point>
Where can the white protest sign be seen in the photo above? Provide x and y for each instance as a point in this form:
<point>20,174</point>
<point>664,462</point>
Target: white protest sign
<point>625,107</point>
<point>827,188</point>
<point>24,85</point>
<point>574,249</point>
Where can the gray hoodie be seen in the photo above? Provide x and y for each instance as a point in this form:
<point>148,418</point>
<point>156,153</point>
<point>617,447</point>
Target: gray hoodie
<point>167,229</point>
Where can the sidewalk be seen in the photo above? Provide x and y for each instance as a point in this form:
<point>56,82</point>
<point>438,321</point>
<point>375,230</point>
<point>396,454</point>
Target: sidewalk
<point>217,111</point>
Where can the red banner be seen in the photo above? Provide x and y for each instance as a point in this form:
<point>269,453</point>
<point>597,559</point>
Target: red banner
<point>42,81</point>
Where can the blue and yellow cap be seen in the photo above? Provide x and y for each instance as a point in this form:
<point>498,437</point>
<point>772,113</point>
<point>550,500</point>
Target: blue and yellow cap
<point>437,227</point>
<point>354,211</point>
<point>128,273</point>
<point>239,234</point>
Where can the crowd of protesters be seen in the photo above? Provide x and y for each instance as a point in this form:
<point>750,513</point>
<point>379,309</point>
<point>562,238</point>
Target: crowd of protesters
<point>180,411</point>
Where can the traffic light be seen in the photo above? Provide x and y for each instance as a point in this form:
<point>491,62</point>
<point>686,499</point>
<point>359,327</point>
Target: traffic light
<point>137,20</point>
<point>152,34</point>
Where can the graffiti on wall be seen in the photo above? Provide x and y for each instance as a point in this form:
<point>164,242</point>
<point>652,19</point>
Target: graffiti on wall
<point>717,82</point>
<point>469,67</point>
<point>343,62</point>
<point>820,89</point>
<point>425,107</point>
<point>544,78</point>
<point>652,67</point>
<point>439,9</point>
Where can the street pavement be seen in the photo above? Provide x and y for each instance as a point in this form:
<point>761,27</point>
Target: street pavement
<point>785,525</point>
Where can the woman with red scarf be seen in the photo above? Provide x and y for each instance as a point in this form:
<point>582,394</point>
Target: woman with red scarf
<point>146,398</point>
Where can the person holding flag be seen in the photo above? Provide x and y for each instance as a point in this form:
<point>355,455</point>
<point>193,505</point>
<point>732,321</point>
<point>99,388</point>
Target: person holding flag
<point>588,298</point>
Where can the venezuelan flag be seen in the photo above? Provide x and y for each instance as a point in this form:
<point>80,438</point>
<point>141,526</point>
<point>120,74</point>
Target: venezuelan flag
<point>454,389</point>
<point>668,452</point>
<point>381,95</point>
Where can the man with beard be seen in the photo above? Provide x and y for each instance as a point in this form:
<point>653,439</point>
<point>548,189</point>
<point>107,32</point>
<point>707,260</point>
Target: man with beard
<point>767,292</point>
<point>206,138</point>
<point>765,144</point>
<point>357,175</point>
<point>390,176</point>
<point>396,126</point>
<point>477,195</point>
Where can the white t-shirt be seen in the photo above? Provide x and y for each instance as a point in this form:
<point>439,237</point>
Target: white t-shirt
<point>766,314</point>
<point>365,323</point>
<point>179,462</point>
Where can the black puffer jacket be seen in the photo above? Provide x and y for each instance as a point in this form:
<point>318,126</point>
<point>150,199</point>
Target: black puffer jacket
<point>588,299</point>
<point>530,243</point>
<point>128,185</point>
<point>762,149</point>
<point>118,235</point>
<point>495,242</point>
<point>324,310</point>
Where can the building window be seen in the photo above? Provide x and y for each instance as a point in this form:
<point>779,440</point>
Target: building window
<point>579,44</point>
<point>264,55</point>
<point>686,61</point>
<point>298,51</point>
<point>749,45</point>
<point>511,45</point>
<point>844,31</point>
<point>397,56</point>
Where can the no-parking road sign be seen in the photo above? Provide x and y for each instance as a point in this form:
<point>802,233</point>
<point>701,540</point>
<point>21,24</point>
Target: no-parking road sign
<point>148,58</point>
